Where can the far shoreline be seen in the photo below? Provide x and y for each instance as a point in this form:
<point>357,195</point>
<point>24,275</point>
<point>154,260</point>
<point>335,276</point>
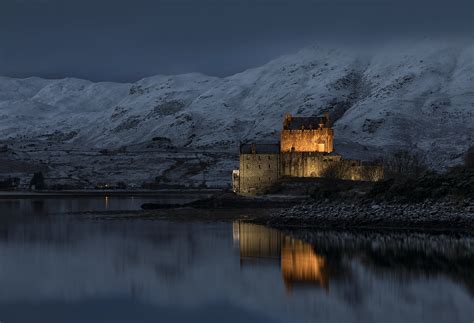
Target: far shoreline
<point>47,194</point>
<point>450,216</point>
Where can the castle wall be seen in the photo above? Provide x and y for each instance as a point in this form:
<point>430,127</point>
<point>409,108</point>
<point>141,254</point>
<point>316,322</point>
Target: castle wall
<point>307,140</point>
<point>306,164</point>
<point>258,172</point>
<point>303,164</point>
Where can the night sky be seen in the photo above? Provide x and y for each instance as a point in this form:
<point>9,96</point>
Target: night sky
<point>121,40</point>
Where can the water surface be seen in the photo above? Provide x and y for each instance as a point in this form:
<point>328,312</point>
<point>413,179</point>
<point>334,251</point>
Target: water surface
<point>61,267</point>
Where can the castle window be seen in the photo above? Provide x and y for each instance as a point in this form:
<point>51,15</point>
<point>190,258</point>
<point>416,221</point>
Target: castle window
<point>259,166</point>
<point>269,166</point>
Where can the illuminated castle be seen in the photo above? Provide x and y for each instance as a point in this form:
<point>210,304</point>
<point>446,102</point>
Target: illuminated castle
<point>306,149</point>
<point>312,134</point>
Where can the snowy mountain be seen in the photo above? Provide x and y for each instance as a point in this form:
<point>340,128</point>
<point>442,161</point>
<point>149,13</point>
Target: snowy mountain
<point>417,95</point>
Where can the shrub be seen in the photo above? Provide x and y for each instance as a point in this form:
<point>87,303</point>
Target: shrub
<point>337,170</point>
<point>402,164</point>
<point>469,158</point>
<point>37,181</point>
<point>373,173</point>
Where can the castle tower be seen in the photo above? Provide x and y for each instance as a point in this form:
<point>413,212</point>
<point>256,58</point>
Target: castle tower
<point>307,134</point>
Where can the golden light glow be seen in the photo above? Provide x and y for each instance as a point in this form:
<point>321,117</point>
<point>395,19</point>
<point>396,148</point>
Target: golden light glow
<point>308,140</point>
<point>301,264</point>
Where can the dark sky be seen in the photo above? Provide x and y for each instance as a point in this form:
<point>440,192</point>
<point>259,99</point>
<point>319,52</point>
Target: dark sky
<point>125,40</point>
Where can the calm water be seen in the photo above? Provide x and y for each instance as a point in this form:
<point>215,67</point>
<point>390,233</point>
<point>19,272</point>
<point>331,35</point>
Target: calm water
<point>56,267</point>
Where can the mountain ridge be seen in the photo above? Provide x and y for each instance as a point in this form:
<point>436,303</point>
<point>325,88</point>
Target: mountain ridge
<point>416,97</point>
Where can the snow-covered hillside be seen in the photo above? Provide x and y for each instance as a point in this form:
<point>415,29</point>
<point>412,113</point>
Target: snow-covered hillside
<point>416,95</point>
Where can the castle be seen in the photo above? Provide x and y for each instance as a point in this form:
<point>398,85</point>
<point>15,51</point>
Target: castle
<point>305,149</point>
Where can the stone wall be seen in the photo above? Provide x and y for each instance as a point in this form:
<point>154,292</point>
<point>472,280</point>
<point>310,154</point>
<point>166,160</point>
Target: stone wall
<point>307,140</point>
<point>298,164</point>
<point>258,172</point>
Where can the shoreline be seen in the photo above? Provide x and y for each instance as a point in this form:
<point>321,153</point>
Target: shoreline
<point>284,212</point>
<point>428,216</point>
<point>108,193</point>
<point>445,215</point>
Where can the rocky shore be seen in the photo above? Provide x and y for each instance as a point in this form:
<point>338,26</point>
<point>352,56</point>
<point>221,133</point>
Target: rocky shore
<point>431,215</point>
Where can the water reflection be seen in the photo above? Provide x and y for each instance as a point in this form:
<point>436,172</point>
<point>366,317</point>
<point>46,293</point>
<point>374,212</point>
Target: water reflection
<point>299,262</point>
<point>148,271</point>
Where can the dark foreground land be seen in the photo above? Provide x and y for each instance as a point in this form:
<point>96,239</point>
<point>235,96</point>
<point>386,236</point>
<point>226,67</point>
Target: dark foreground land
<point>427,215</point>
<point>431,202</point>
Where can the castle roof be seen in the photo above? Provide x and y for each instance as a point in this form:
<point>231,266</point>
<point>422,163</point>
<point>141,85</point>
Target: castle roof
<point>260,148</point>
<point>297,123</point>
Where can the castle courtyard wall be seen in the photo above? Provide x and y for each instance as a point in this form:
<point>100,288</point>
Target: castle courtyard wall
<point>301,164</point>
<point>297,164</point>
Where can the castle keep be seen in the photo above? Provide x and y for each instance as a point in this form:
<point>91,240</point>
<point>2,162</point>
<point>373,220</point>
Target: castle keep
<point>312,134</point>
<point>305,150</point>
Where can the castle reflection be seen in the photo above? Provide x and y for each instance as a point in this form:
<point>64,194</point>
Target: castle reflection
<point>299,263</point>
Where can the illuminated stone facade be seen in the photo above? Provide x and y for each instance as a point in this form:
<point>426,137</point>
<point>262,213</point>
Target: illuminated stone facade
<point>311,134</point>
<point>306,164</point>
<point>305,150</point>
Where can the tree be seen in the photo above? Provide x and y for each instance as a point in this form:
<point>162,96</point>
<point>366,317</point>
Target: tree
<point>469,158</point>
<point>37,181</point>
<point>403,163</point>
<point>337,170</point>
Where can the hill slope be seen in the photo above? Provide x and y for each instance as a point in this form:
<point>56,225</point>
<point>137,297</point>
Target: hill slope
<point>415,96</point>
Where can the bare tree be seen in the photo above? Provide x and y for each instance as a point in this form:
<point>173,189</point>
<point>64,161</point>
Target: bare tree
<point>372,173</point>
<point>469,158</point>
<point>403,163</point>
<point>337,170</point>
